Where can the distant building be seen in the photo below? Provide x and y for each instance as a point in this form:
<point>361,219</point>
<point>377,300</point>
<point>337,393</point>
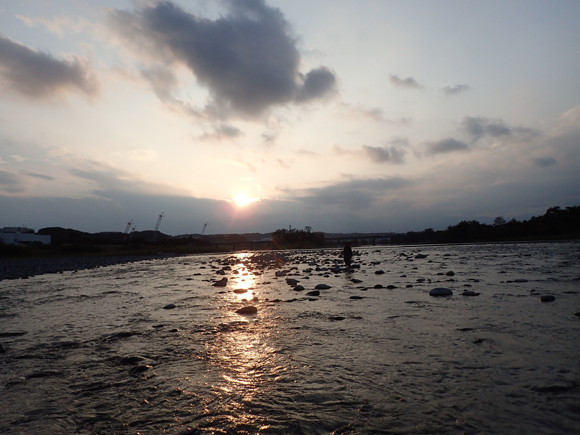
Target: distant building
<point>21,235</point>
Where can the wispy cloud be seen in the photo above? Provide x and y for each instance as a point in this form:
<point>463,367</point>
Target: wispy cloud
<point>446,146</point>
<point>409,82</point>
<point>456,89</point>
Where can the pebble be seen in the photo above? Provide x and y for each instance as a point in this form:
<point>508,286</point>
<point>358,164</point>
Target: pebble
<point>221,283</point>
<point>313,293</point>
<point>169,307</point>
<point>469,293</point>
<point>299,288</point>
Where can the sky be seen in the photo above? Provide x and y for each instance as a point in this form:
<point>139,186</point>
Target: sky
<point>255,115</point>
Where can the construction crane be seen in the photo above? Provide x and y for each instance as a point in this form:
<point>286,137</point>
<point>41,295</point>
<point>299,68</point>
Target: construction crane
<point>128,227</point>
<point>159,221</point>
<point>157,226</point>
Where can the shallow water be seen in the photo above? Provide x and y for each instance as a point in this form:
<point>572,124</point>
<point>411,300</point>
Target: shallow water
<point>396,361</point>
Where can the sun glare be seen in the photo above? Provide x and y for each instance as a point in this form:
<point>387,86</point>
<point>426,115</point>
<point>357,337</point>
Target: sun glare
<point>242,199</point>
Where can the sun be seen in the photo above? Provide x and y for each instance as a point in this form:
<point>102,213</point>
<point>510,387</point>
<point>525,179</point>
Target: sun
<point>242,200</point>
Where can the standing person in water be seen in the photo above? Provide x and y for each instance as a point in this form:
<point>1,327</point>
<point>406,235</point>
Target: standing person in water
<point>347,254</point>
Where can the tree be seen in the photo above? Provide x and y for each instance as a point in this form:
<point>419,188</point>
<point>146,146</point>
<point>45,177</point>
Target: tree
<point>498,221</point>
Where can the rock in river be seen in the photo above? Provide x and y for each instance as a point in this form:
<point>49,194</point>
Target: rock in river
<point>548,298</point>
<point>247,310</point>
<point>322,287</point>
<point>441,291</point>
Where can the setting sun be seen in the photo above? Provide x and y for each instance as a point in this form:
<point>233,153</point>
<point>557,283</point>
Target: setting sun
<point>242,199</point>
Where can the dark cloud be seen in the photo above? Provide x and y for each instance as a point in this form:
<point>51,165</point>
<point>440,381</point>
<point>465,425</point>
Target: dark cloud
<point>247,59</point>
<point>386,154</point>
<point>479,128</point>
<point>446,146</point>
<point>39,75</point>
<point>11,183</point>
<point>454,90</point>
<point>545,162</point>
<point>409,82</point>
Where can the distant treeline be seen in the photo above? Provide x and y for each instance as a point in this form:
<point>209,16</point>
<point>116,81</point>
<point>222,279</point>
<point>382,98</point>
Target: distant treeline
<point>305,238</point>
<point>556,223</point>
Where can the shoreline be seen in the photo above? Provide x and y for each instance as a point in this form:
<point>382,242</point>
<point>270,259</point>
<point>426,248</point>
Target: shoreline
<point>24,268</point>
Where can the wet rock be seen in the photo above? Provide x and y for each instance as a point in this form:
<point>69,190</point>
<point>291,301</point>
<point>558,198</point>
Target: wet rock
<point>240,291</point>
<point>577,314</point>
<point>469,293</point>
<point>479,340</point>
<point>409,286</point>
<point>441,291</point>
<point>2,348</point>
<point>378,286</point>
<point>520,280</point>
<point>322,287</point>
<point>450,273</point>
<point>547,298</point>
<point>131,360</point>
<point>221,283</point>
<point>356,281</point>
<point>247,311</point>
<point>313,293</point>
<point>379,272</point>
<point>169,307</point>
<point>335,318</point>
<point>299,288</point>
<point>356,297</point>
<point>280,273</point>
<point>391,287</point>
<point>420,256</point>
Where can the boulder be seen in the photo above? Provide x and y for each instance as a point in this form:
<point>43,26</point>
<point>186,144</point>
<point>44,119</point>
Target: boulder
<point>441,291</point>
<point>298,288</point>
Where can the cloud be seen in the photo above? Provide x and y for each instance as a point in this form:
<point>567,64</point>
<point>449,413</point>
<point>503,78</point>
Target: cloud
<point>40,176</point>
<point>221,132</point>
<point>11,183</point>
<point>247,58</point>
<point>353,194</point>
<point>446,146</point>
<point>545,162</point>
<point>409,82</point>
<point>386,154</point>
<point>454,90</point>
<point>479,128</point>
<point>39,75</point>
<point>369,113</point>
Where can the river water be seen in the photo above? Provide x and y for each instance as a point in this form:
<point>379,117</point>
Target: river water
<point>153,347</point>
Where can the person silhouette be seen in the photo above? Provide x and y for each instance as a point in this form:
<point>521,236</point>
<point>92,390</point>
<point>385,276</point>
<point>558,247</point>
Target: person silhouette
<point>347,254</point>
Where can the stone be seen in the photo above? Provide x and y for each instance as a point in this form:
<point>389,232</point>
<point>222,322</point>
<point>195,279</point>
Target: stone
<point>240,291</point>
<point>420,256</point>
<point>441,291</point>
<point>247,310</point>
<point>547,298</point>
<point>280,273</point>
<point>356,297</point>
<point>450,273</point>
<point>469,293</point>
<point>391,287</point>
<point>313,293</point>
<point>131,360</point>
<point>299,288</point>
<point>322,287</point>
<point>336,318</point>
<point>221,283</point>
<point>169,307</point>
<point>379,272</point>
<point>356,281</point>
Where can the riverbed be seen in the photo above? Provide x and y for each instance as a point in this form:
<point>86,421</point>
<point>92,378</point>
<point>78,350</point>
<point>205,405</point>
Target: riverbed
<point>155,346</point>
